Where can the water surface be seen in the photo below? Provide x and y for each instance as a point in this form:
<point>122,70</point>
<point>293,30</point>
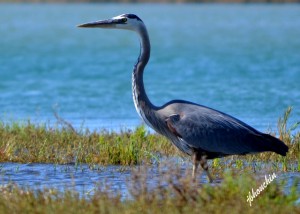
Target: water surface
<point>240,59</point>
<point>113,179</point>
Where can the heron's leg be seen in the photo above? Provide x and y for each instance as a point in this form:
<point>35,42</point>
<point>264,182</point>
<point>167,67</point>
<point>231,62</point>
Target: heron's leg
<point>203,163</point>
<point>195,158</point>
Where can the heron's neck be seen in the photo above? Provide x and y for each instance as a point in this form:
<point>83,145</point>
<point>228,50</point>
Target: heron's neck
<point>141,101</point>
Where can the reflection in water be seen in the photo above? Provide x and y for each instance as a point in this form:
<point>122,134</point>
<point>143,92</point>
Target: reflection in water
<point>84,179</point>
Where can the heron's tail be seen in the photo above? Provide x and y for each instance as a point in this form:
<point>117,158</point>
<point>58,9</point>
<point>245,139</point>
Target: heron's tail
<point>275,145</point>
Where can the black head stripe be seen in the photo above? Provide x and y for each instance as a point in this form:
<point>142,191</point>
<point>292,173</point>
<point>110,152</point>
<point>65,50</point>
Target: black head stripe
<point>132,16</point>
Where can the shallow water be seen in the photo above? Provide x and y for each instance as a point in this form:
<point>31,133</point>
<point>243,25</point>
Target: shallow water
<point>81,178</point>
<point>85,180</point>
<point>240,59</point>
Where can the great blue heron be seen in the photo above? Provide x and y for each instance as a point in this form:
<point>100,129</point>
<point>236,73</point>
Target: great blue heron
<point>199,131</point>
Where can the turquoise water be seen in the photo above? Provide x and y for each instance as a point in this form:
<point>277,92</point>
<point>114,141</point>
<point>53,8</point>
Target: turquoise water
<point>241,59</point>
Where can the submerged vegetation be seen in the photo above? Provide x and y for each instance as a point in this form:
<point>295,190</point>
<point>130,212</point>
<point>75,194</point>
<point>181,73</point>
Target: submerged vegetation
<point>172,193</point>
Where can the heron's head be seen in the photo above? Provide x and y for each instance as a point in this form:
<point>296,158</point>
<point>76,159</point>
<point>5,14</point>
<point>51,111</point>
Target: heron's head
<point>125,21</point>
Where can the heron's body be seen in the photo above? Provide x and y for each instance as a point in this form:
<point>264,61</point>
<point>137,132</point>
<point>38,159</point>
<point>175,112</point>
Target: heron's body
<point>196,130</point>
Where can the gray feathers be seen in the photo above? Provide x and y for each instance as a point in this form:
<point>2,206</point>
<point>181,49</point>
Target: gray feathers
<point>209,130</point>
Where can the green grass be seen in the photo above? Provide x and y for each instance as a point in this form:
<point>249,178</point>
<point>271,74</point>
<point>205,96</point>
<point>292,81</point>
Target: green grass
<point>173,193</point>
<point>28,142</point>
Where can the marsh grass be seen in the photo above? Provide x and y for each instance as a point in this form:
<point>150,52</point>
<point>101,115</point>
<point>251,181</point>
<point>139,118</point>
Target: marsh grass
<point>172,192</point>
<point>28,142</point>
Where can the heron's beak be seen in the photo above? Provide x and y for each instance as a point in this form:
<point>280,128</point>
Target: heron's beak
<point>109,23</point>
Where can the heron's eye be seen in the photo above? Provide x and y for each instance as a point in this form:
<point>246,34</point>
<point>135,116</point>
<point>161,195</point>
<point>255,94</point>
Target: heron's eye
<point>175,118</point>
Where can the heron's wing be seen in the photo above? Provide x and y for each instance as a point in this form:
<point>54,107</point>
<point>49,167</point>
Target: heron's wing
<point>213,131</point>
